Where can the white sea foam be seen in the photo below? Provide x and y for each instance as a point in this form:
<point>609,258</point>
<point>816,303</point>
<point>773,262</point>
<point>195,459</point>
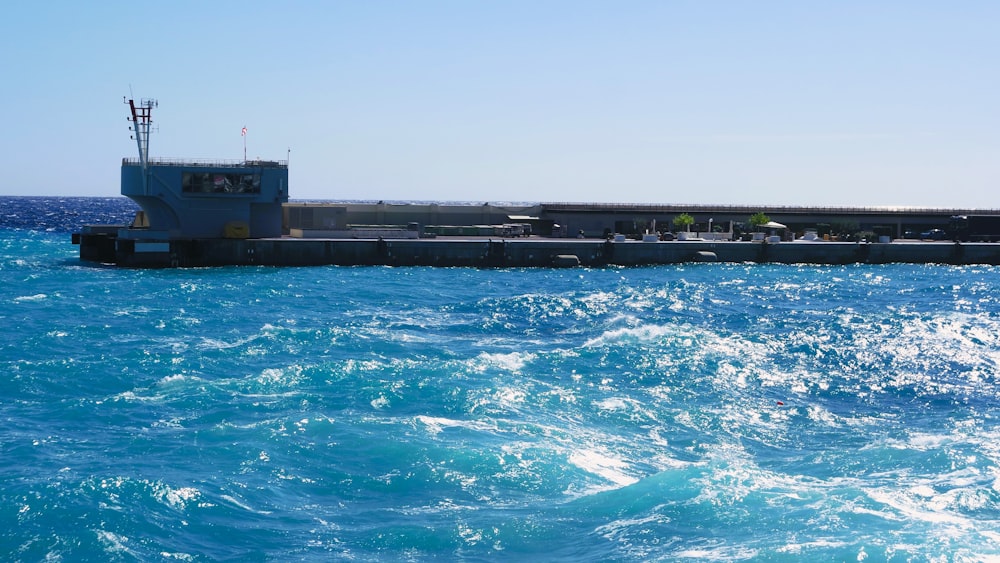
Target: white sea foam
<point>280,377</point>
<point>436,425</point>
<point>907,506</point>
<point>175,378</point>
<point>240,504</point>
<point>513,362</point>
<point>564,395</point>
<point>720,553</point>
<point>113,543</point>
<point>620,530</point>
<point>131,311</point>
<point>509,397</point>
<point>604,465</point>
<point>177,498</point>
<point>612,404</point>
<point>643,333</point>
<point>216,344</point>
<point>797,548</point>
<point>178,556</point>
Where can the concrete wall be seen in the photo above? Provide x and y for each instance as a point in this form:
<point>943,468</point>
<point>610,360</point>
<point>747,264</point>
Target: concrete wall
<point>305,215</point>
<point>540,252</point>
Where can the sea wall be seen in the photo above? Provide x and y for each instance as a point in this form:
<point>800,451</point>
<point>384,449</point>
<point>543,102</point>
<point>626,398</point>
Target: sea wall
<point>542,252</point>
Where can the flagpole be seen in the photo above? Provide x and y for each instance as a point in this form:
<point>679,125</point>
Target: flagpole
<point>244,133</point>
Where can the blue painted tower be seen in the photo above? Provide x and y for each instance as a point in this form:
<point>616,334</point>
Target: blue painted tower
<point>200,199</point>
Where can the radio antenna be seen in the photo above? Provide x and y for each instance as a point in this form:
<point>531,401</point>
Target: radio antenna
<point>142,120</point>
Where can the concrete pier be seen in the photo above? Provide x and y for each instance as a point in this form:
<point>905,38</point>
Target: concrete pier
<point>219,213</point>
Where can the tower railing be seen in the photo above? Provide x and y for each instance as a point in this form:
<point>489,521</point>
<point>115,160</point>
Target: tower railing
<point>207,163</point>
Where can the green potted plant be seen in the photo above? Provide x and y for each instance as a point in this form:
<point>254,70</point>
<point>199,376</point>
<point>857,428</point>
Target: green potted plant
<point>683,221</point>
<point>758,219</point>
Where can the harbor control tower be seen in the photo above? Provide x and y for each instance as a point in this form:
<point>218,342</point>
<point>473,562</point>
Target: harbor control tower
<point>185,199</point>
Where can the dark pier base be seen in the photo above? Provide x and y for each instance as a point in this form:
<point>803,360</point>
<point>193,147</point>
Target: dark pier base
<point>500,253</point>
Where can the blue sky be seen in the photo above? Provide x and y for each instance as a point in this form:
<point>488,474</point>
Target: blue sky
<point>719,102</point>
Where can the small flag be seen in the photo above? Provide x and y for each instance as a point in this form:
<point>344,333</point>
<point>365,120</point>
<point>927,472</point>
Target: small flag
<point>244,133</point>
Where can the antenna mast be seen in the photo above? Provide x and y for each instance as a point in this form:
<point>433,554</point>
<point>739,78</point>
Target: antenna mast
<point>142,120</point>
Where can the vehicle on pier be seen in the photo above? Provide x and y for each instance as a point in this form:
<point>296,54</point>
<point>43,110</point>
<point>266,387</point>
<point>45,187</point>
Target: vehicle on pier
<point>974,228</point>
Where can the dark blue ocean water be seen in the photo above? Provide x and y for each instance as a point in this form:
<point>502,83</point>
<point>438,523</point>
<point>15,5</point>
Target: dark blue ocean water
<point>725,412</point>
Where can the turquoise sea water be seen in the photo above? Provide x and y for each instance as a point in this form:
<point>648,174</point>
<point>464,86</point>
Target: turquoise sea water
<point>726,412</point>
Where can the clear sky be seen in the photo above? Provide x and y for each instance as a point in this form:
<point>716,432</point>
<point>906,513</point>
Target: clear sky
<point>796,102</point>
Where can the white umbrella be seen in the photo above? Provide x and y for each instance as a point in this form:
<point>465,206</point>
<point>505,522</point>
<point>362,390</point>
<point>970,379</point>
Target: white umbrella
<point>773,225</point>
